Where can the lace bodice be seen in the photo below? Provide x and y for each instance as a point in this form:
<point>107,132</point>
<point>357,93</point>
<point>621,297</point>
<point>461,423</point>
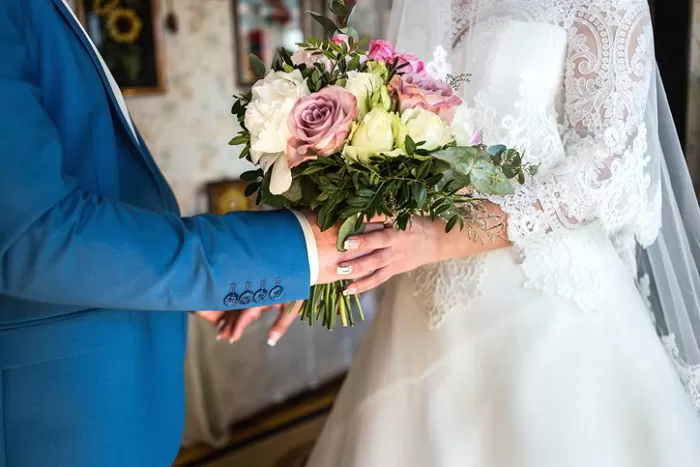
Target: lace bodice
<point>567,82</point>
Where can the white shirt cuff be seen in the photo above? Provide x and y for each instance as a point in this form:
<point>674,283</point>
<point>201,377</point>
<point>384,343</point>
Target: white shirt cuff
<point>311,248</point>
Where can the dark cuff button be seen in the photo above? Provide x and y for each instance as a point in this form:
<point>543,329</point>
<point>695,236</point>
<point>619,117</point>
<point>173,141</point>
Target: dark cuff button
<point>261,295</point>
<point>246,298</point>
<point>276,292</point>
<point>231,299</point>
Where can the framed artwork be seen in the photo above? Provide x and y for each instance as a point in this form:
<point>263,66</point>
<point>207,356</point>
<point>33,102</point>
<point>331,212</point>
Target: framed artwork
<point>261,27</point>
<point>226,196</point>
<point>125,33</point>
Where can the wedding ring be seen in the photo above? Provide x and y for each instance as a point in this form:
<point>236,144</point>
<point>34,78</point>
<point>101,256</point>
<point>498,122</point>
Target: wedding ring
<point>344,270</point>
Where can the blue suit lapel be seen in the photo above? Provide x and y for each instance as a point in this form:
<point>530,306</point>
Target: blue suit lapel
<point>139,145</point>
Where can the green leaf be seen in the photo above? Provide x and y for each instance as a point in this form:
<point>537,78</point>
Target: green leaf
<point>238,140</point>
<point>327,23</point>
<point>347,229</point>
<point>496,150</point>
<point>354,63</point>
<point>251,189</point>
<point>451,223</point>
<point>338,8</point>
<point>461,159</point>
<point>252,175</point>
<point>486,178</point>
<point>410,145</point>
<point>420,194</point>
<point>257,66</point>
<point>284,53</point>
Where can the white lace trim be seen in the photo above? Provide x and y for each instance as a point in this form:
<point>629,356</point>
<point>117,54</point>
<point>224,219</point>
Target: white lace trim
<point>447,286</point>
<point>690,374</point>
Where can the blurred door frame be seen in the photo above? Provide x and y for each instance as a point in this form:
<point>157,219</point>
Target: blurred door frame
<point>672,37</point>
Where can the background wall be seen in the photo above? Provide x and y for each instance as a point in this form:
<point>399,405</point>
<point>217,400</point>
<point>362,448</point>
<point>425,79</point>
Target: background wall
<point>188,128</point>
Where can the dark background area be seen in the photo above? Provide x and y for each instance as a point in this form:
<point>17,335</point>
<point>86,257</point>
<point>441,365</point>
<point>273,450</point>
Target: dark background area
<point>672,32</point>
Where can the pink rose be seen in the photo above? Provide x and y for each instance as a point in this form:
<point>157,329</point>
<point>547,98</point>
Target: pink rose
<point>381,51</point>
<point>415,64</point>
<point>320,123</point>
<point>306,57</point>
<point>340,39</point>
<point>415,90</point>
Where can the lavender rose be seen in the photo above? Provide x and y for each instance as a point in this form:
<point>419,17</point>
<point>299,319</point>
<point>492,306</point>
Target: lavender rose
<point>320,123</point>
<point>416,90</point>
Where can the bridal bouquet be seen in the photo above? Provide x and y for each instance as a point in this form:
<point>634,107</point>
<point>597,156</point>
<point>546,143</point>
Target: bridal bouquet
<point>352,132</point>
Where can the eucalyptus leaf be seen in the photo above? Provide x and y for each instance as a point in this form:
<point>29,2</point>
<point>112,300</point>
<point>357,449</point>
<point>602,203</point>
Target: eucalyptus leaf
<point>461,159</point>
<point>486,178</point>
<point>496,150</point>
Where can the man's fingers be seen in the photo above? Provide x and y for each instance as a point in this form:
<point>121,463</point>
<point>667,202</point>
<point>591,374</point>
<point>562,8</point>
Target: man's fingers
<point>282,323</point>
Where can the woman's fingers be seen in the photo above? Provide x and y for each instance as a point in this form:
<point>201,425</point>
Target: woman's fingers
<point>376,240</point>
<point>285,319</point>
<point>244,320</point>
<point>361,267</point>
<point>375,279</point>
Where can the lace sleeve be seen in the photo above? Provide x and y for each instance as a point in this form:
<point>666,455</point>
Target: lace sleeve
<point>603,179</point>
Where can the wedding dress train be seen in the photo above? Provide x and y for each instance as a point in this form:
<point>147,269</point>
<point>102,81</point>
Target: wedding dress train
<point>544,354</point>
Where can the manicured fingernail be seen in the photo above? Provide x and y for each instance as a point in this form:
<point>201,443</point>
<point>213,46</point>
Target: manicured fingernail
<point>218,338</point>
<point>344,270</point>
<point>272,340</point>
<point>352,244</point>
<point>232,340</point>
<point>350,291</point>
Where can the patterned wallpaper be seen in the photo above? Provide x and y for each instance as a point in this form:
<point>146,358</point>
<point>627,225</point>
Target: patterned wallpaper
<point>188,127</point>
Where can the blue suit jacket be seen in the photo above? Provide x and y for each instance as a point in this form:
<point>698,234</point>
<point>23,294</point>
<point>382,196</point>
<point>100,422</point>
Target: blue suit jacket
<point>97,266</point>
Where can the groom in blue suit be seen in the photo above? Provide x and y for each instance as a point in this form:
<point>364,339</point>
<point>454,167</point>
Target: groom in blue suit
<point>97,267</point>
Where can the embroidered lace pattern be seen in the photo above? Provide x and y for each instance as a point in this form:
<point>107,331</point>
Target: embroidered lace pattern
<point>586,129</point>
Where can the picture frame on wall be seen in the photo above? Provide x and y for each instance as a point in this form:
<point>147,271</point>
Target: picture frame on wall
<point>126,34</point>
<point>228,195</point>
<point>261,27</point>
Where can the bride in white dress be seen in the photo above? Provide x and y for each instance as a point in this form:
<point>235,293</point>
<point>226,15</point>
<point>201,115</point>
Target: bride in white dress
<point>539,351</point>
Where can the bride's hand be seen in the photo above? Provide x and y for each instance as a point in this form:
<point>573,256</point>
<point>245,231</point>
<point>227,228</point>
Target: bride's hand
<point>423,243</point>
<point>400,251</point>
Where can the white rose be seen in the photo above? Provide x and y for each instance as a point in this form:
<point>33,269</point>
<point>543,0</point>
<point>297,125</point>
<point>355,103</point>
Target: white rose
<point>380,132</point>
<point>364,86</point>
<point>463,128</point>
<point>266,119</point>
<point>424,125</point>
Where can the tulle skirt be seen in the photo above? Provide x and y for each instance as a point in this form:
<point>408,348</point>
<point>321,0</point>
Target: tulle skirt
<point>513,377</point>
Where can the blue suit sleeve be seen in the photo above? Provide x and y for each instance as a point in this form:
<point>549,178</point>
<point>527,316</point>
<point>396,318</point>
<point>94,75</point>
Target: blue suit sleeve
<point>60,244</point>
